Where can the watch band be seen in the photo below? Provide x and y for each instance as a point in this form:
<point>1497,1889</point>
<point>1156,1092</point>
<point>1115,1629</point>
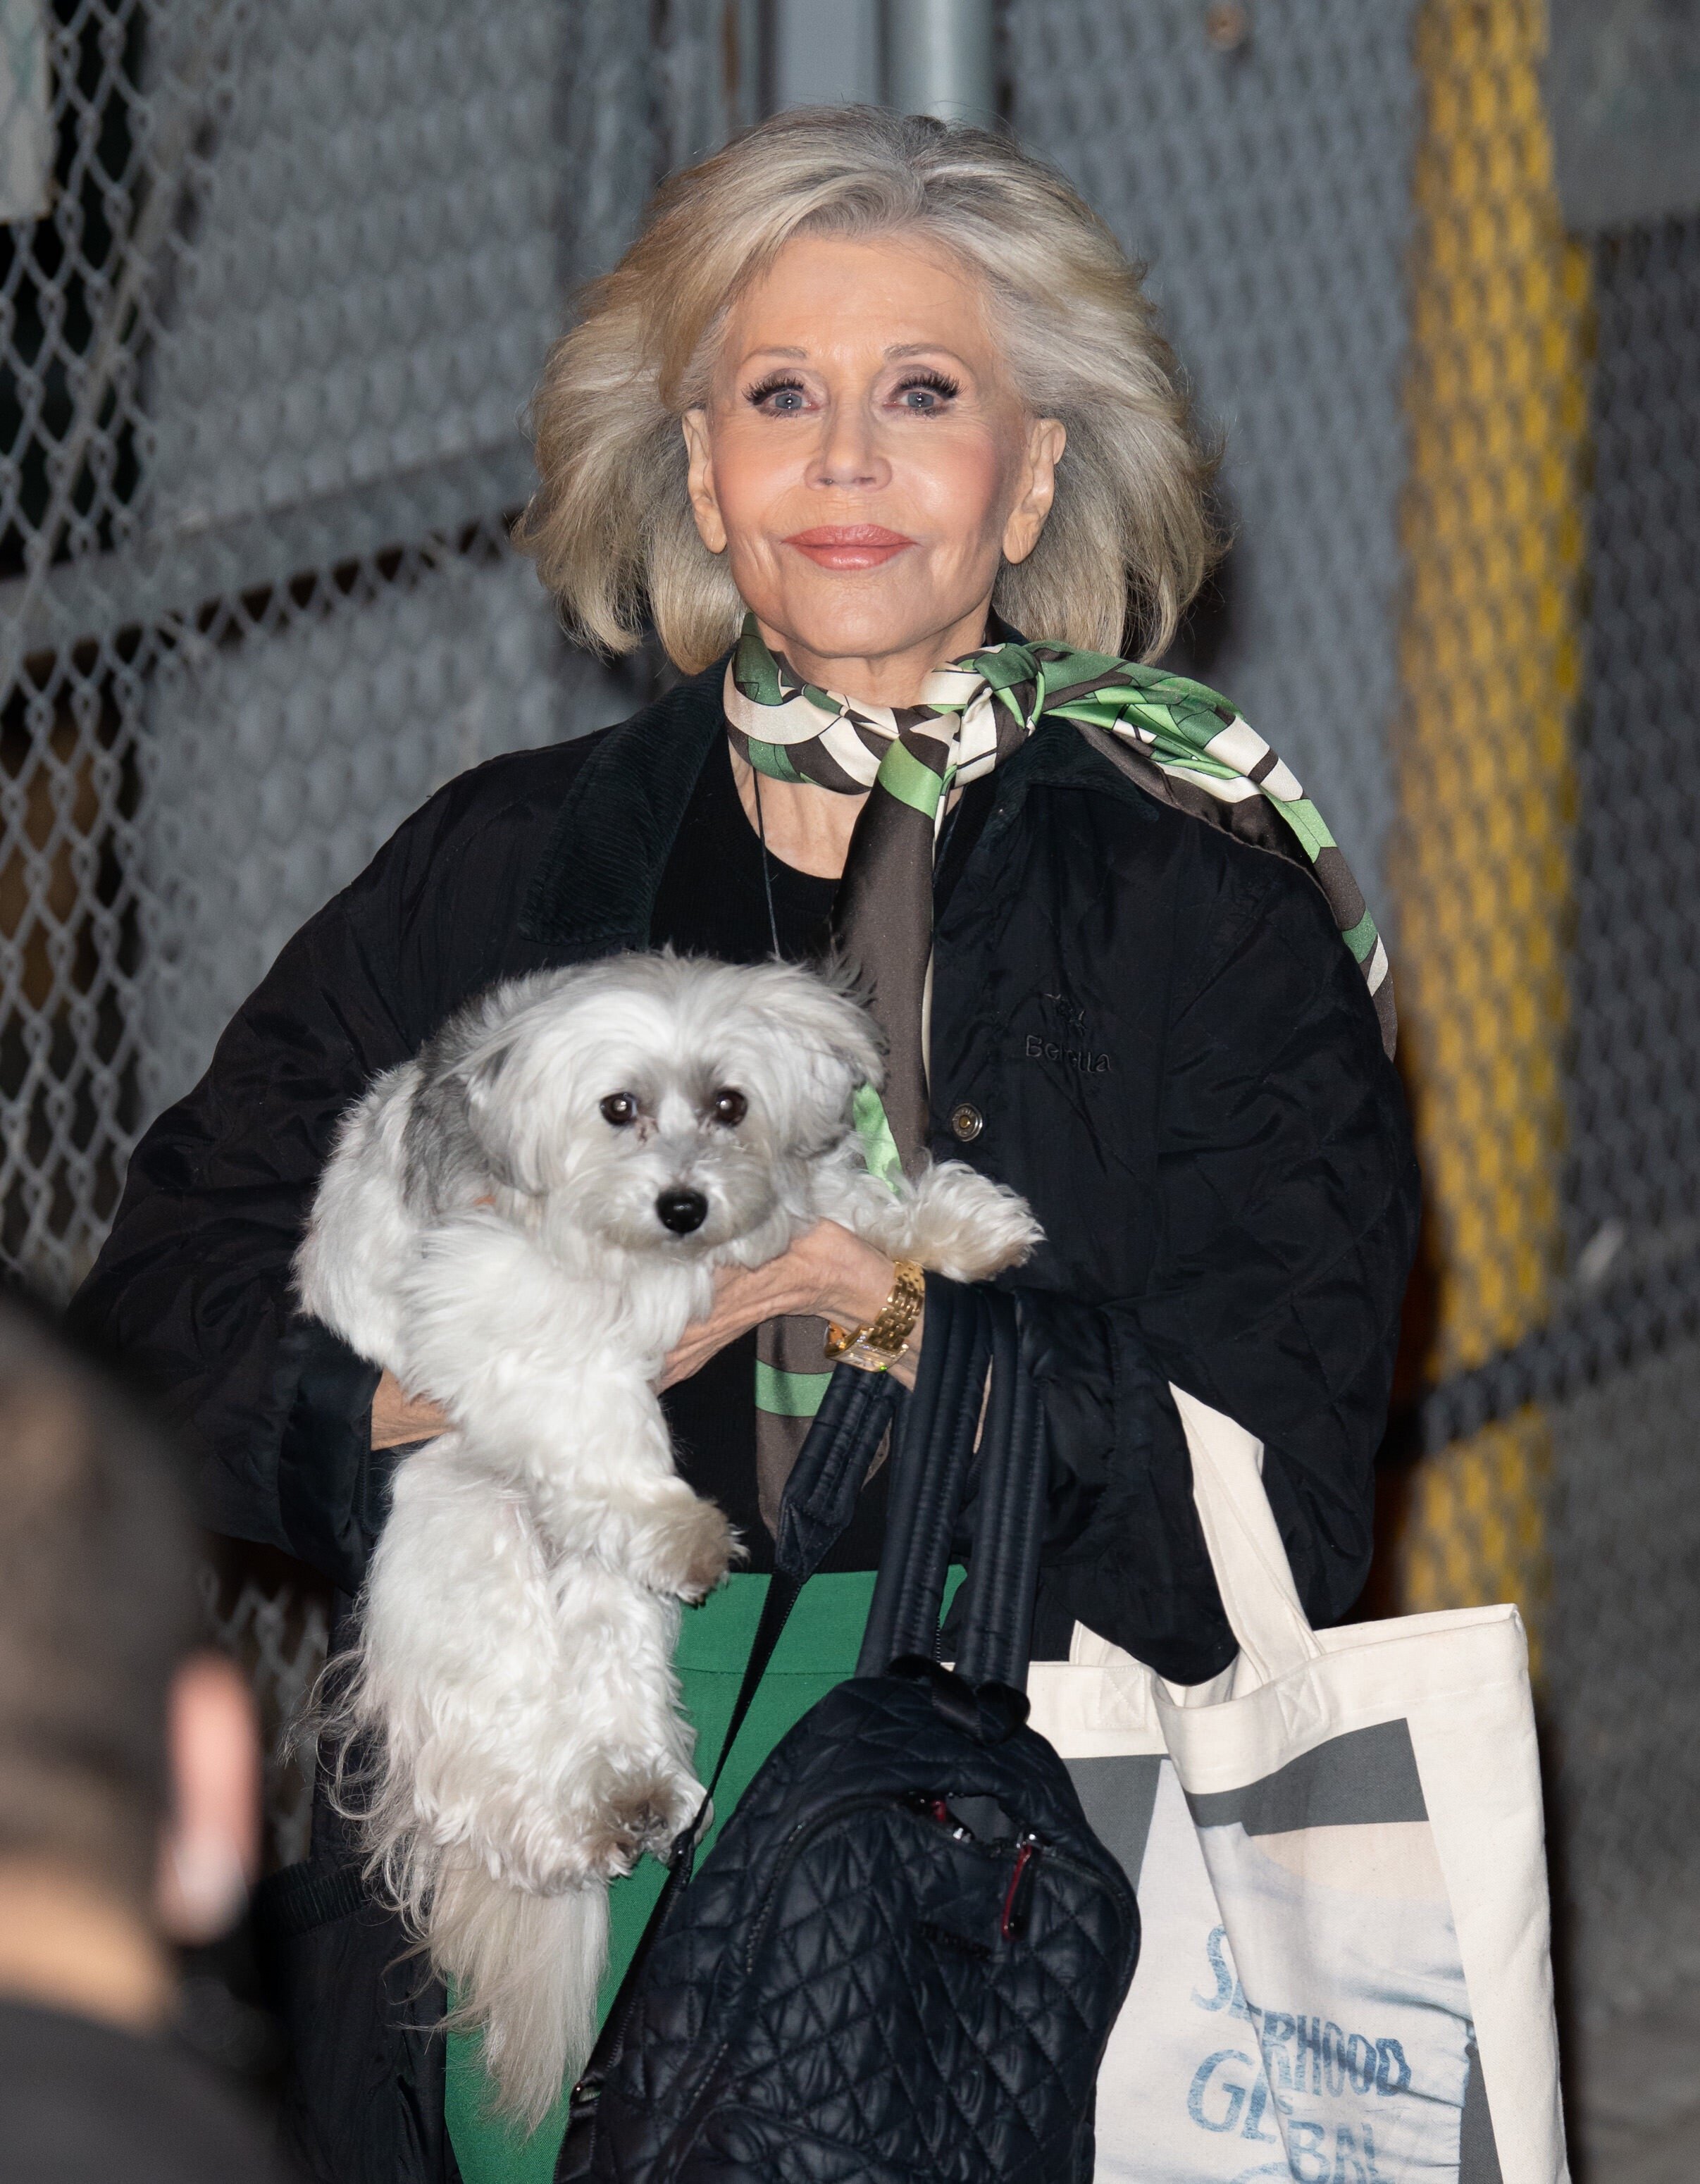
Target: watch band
<point>877,1347</point>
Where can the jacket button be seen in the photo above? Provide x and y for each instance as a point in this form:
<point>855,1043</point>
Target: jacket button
<point>966,1122</point>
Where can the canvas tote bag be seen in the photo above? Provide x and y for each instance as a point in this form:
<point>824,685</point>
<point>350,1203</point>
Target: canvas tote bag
<point>1337,1846</point>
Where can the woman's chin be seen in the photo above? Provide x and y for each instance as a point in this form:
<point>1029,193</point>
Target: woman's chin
<point>873,614</point>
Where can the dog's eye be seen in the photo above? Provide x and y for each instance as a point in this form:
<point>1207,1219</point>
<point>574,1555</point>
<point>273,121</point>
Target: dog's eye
<point>620,1109</point>
<point>729,1107</point>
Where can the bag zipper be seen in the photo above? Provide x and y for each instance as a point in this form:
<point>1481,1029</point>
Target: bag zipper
<point>1013,1920</point>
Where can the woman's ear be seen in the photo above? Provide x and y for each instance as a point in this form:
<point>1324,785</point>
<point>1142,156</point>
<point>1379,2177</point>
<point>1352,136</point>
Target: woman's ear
<point>703,505</point>
<point>1047,437</point>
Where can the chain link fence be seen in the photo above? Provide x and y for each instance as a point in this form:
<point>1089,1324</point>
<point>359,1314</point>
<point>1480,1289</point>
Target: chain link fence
<point>1463,470</point>
<point>275,281</point>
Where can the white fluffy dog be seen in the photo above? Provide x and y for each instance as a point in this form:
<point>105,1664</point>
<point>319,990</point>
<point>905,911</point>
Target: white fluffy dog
<point>520,1223</point>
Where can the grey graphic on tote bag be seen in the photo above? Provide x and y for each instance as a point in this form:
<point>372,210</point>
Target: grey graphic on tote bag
<point>1300,2010</point>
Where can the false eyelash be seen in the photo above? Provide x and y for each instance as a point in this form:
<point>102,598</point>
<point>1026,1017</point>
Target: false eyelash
<point>779,381</point>
<point>940,382</point>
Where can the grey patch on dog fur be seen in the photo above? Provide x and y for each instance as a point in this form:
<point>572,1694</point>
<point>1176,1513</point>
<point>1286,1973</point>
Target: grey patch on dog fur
<point>445,1151</point>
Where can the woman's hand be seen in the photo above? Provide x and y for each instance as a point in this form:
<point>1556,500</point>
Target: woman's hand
<point>399,1418</point>
<point>828,1272</point>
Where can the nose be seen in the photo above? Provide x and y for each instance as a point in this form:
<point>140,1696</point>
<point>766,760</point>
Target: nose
<point>847,454</point>
<point>681,1210</point>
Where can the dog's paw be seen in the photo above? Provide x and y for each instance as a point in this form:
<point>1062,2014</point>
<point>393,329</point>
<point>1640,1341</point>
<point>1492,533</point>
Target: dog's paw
<point>639,1808</point>
<point>964,1226</point>
<point>684,1548</point>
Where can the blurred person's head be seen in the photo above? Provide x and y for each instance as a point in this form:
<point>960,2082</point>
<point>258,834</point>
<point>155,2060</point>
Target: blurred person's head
<point>128,1774</point>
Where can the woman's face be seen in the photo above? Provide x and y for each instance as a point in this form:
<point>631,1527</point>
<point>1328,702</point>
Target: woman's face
<point>864,461</point>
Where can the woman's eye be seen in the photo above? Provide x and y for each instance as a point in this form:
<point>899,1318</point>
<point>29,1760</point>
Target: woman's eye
<point>620,1109</point>
<point>926,394</point>
<point>729,1107</point>
<point>780,397</point>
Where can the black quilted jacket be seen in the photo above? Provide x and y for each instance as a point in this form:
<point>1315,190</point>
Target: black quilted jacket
<point>1161,1041</point>
<point>1151,1030</point>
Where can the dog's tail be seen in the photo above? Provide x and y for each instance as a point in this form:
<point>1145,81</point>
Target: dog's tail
<point>523,1969</point>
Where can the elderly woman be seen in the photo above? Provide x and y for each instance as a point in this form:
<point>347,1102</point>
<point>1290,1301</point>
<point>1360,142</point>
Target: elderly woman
<point>873,425</point>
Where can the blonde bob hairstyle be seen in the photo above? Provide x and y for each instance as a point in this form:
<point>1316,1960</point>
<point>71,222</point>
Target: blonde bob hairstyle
<point>1127,540</point>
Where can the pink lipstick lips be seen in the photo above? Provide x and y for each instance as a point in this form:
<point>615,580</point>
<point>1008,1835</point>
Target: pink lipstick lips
<point>848,546</point>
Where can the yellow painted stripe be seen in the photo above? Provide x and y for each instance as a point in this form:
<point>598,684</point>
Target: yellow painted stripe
<point>1493,527</point>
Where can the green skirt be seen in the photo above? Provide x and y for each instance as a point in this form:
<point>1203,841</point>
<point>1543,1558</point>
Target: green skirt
<point>817,1650</point>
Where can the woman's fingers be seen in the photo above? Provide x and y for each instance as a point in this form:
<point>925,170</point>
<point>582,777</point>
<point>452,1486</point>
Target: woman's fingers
<point>742,1299</point>
<point>828,1272</point>
<point>841,1278</point>
<point>399,1418</point>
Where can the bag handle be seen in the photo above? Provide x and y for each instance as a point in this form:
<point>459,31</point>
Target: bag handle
<point>1003,1565</point>
<point>816,1505</point>
<point>967,1331</point>
<point>929,1460</point>
<point>1252,1573</point>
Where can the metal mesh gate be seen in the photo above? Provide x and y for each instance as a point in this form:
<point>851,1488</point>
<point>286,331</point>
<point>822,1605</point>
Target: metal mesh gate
<point>1621,1360</point>
<point>264,357</point>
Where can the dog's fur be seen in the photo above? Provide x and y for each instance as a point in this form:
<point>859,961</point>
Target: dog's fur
<point>486,1233</point>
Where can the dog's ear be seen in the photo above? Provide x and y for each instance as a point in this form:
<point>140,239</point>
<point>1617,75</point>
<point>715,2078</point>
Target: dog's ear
<point>493,1121</point>
<point>819,1015</point>
<point>459,1139</point>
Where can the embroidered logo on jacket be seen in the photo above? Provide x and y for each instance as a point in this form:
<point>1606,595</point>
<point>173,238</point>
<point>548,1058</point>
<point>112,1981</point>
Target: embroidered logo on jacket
<point>1068,1040</point>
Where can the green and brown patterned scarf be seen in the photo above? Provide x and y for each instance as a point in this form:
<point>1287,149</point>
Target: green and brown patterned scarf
<point>1184,744</point>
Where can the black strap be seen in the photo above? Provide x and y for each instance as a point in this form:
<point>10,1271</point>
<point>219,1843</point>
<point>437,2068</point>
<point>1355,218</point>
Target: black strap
<point>817,1504</point>
<point>968,1330</point>
<point>1009,1529</point>
<point>831,1466</point>
<point>929,1463</point>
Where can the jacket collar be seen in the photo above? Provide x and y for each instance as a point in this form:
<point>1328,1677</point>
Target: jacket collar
<point>1057,754</point>
<point>596,886</point>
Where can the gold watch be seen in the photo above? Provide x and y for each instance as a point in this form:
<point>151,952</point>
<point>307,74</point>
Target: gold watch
<point>877,1347</point>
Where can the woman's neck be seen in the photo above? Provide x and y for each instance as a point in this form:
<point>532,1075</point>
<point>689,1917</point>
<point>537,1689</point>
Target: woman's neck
<point>805,826</point>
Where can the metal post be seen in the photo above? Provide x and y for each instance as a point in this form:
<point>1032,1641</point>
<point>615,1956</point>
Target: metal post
<point>938,58</point>
<point>823,53</point>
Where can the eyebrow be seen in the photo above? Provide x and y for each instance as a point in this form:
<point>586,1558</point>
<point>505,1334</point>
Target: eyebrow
<point>899,349</point>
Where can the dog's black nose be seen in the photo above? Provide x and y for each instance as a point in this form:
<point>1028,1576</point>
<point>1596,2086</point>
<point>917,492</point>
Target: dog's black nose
<point>681,1210</point>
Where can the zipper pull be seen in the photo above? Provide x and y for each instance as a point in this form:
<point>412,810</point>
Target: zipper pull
<point>1019,1893</point>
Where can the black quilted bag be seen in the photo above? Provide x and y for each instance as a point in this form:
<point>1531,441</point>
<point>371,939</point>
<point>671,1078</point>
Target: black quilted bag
<point>904,1955</point>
